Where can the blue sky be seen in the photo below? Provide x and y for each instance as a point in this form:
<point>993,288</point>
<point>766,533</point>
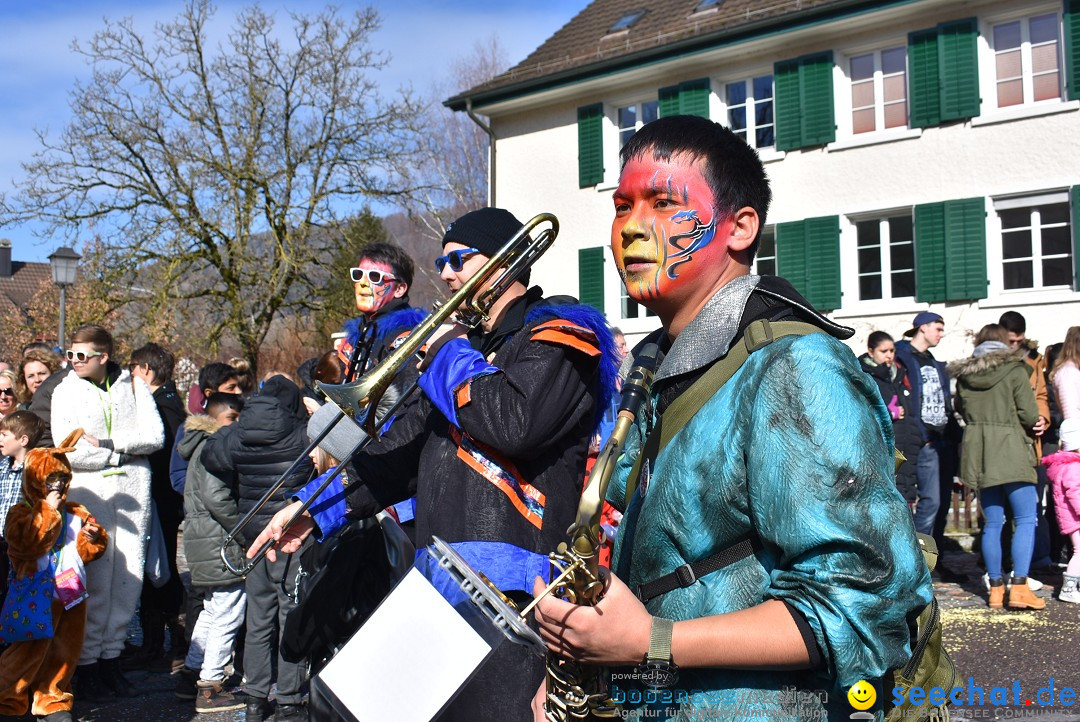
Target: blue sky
<point>38,68</point>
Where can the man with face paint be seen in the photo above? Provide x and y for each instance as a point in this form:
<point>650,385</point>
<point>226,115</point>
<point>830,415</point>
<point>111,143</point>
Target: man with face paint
<point>494,448</point>
<point>792,456</point>
<point>381,280</point>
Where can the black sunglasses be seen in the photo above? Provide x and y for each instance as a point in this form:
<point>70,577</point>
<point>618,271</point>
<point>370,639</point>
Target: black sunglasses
<point>7,392</point>
<point>454,258</point>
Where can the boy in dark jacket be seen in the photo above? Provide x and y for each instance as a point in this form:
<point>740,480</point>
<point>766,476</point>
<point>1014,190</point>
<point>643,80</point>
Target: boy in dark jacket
<point>268,437</point>
<point>210,510</point>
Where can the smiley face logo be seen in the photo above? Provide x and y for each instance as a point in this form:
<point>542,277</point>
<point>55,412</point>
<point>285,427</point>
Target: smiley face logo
<point>862,695</point>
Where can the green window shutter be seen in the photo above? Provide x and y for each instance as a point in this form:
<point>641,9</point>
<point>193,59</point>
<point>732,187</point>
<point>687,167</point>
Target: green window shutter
<point>1074,201</point>
<point>803,101</point>
<point>590,122</point>
<point>694,97</point>
<point>965,249</point>
<point>591,277</point>
<point>669,101</point>
<point>816,98</point>
<point>1071,24</point>
<point>823,262</point>
<point>791,254</point>
<point>950,251</point>
<point>959,63</point>
<point>808,255</point>
<point>786,111</point>
<point>930,252</point>
<point>924,85</point>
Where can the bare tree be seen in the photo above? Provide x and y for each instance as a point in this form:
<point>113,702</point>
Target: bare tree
<point>451,177</point>
<point>207,171</point>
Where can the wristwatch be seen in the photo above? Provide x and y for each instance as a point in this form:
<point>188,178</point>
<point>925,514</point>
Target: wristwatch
<point>658,670</point>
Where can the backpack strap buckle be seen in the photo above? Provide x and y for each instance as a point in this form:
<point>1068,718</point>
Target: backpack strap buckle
<point>685,575</point>
<point>758,334</point>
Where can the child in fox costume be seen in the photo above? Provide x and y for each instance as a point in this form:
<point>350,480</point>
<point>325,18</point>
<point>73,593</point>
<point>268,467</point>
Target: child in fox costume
<point>45,666</point>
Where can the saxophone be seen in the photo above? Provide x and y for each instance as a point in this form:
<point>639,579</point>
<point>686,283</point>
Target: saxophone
<point>577,691</point>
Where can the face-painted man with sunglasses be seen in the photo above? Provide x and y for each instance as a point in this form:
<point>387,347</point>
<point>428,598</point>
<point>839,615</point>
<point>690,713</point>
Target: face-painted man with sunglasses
<point>381,280</point>
<point>495,448</point>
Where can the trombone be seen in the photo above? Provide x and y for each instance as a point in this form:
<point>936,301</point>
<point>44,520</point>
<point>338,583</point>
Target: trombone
<point>470,306</point>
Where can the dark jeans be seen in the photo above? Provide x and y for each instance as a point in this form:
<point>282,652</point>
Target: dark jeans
<point>268,602</point>
<point>928,476</point>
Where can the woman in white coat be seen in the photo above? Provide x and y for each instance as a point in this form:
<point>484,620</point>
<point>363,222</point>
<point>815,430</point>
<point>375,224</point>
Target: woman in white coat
<point>111,477</point>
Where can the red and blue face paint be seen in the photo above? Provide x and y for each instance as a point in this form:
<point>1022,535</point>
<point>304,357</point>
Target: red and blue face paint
<point>665,227</point>
<point>370,297</point>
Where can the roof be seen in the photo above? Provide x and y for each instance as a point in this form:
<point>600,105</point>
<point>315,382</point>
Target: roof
<point>26,279</point>
<point>584,47</point>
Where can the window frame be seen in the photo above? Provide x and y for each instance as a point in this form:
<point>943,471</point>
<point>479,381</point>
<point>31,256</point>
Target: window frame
<point>845,131</point>
<point>747,78</point>
<point>995,252</point>
<point>852,305</point>
<point>613,132</point>
<point>988,85</point>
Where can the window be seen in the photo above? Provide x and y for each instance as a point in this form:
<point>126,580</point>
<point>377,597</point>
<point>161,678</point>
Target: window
<point>630,118</point>
<point>629,307</point>
<point>626,21</point>
<point>886,258</point>
<point>765,260</point>
<point>879,90</point>
<point>1027,60</point>
<point>1036,244</point>
<point>750,110</point>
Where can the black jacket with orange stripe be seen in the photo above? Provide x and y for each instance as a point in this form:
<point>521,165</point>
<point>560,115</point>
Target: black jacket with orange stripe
<point>511,468</point>
<point>496,460</point>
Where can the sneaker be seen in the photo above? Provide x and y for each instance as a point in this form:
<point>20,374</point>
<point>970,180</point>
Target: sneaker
<point>257,709</point>
<point>1070,595</point>
<point>212,698</point>
<point>187,684</point>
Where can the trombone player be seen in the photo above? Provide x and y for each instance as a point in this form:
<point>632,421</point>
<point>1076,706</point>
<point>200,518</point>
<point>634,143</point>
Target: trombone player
<point>494,450</point>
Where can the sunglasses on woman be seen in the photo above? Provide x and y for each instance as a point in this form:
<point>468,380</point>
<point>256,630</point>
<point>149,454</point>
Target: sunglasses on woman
<point>81,356</point>
<point>7,392</point>
<point>374,276</point>
<point>454,258</point>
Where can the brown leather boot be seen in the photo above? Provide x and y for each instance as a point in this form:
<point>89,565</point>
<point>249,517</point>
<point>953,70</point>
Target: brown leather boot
<point>997,593</point>
<point>1021,596</point>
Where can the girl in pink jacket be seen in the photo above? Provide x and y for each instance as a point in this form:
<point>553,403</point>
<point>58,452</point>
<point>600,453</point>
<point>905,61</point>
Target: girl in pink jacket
<point>1063,468</point>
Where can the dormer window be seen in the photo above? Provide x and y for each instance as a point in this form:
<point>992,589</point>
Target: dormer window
<point>706,6</point>
<point>626,22</point>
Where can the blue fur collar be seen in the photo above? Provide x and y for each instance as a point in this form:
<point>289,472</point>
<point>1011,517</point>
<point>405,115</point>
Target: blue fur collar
<point>590,318</point>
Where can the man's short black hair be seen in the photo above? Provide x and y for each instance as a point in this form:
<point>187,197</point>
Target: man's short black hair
<point>731,167</point>
<point>159,359</point>
<point>393,256</point>
<point>218,402</point>
<point>214,375</point>
<point>1013,322</point>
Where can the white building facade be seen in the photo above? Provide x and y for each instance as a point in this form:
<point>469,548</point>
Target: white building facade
<point>923,155</point>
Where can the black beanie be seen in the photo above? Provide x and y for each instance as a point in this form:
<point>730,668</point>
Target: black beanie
<point>487,230</point>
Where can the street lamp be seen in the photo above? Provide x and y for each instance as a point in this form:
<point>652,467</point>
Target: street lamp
<point>63,262</point>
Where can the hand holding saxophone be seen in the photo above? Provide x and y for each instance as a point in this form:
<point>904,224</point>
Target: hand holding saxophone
<point>613,632</point>
<point>287,538</point>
